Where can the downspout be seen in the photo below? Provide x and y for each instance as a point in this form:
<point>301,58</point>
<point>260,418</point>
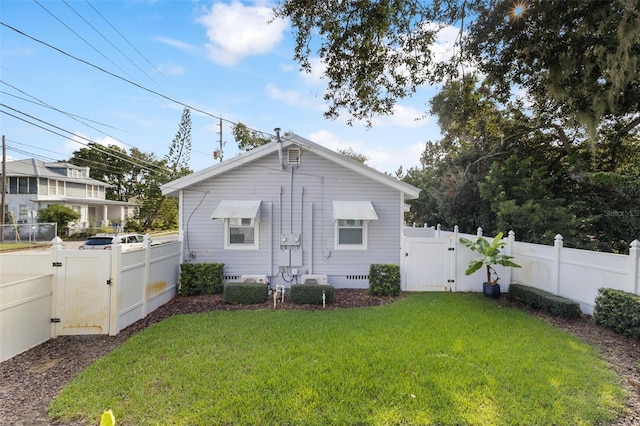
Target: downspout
<point>291,202</point>
<point>279,141</point>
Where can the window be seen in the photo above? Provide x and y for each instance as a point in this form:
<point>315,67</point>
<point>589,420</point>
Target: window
<point>23,214</point>
<point>241,223</point>
<point>352,223</point>
<point>241,232</point>
<point>23,185</point>
<point>351,231</point>
<point>56,187</point>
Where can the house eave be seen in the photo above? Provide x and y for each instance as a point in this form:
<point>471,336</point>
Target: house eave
<point>173,188</point>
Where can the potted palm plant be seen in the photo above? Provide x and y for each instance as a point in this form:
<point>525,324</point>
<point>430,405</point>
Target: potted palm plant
<point>490,255</point>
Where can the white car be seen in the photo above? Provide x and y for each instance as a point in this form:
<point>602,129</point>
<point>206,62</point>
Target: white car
<point>105,241</point>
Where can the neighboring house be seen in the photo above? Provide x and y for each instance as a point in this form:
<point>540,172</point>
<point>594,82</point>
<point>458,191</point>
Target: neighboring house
<point>290,209</point>
<point>33,185</point>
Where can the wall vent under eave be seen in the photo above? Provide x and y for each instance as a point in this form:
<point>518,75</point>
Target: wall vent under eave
<point>293,155</point>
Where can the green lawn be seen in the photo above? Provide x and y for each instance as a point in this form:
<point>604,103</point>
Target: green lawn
<point>429,359</point>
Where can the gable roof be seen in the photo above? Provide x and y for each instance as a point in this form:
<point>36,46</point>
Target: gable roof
<point>172,188</point>
<point>38,168</point>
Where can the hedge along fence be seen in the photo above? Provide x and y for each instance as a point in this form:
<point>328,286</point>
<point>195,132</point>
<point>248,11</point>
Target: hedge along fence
<point>312,294</point>
<point>618,310</point>
<point>384,279</point>
<point>245,293</point>
<point>540,299</point>
<point>201,278</point>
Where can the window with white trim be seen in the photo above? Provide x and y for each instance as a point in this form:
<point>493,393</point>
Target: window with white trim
<point>241,233</point>
<point>241,223</point>
<point>351,234</point>
<point>351,224</point>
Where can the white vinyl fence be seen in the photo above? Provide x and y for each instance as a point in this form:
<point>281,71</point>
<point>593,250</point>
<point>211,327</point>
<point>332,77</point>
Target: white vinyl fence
<point>435,260</point>
<point>49,293</point>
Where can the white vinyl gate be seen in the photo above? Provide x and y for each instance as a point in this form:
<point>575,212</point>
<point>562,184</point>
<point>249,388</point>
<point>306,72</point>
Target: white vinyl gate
<point>83,293</point>
<point>429,264</point>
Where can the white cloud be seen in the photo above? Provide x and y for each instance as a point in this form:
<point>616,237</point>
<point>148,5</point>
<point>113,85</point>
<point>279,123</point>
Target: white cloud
<point>317,71</point>
<point>444,45</point>
<point>176,43</point>
<point>18,51</point>
<point>406,116</point>
<point>79,141</point>
<point>108,140</point>
<point>236,31</point>
<point>384,157</point>
<point>293,97</point>
<point>328,140</point>
<point>171,69</point>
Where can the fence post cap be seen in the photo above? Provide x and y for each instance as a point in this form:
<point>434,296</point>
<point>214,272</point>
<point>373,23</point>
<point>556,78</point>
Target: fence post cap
<point>57,242</point>
<point>635,244</point>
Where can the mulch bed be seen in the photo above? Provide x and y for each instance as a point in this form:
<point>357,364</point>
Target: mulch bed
<point>30,380</point>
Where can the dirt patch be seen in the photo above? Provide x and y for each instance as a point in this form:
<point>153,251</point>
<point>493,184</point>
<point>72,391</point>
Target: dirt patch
<point>30,380</point>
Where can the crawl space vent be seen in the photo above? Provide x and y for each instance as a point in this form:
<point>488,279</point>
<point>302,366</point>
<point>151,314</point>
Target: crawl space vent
<point>293,155</point>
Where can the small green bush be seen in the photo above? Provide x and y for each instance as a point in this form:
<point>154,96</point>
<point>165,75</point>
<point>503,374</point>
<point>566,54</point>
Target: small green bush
<point>384,280</point>
<point>618,310</point>
<point>311,293</point>
<point>201,278</point>
<point>245,293</point>
<point>540,299</point>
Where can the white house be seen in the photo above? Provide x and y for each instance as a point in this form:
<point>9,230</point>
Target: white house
<point>33,185</point>
<point>289,211</point>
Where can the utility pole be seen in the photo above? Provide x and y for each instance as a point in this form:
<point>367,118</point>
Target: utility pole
<point>220,124</point>
<point>4,187</point>
<point>217,153</point>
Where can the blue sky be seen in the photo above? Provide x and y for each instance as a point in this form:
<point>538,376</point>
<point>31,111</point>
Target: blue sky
<point>220,57</point>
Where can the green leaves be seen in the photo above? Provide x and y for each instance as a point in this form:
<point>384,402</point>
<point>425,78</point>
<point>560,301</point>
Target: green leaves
<point>59,214</point>
<point>490,255</point>
<point>248,139</point>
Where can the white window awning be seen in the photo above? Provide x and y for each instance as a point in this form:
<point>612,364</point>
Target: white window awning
<point>355,210</point>
<point>239,209</point>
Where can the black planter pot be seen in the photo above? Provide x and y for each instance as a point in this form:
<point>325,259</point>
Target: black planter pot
<point>492,291</point>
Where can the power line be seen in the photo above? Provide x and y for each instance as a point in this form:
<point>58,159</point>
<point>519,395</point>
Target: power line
<point>109,41</point>
<point>30,154</point>
<point>36,147</point>
<point>72,116</point>
<point>125,39</point>
<point>95,165</point>
<point>75,135</point>
<point>44,104</point>
<point>125,80</point>
<point>81,38</point>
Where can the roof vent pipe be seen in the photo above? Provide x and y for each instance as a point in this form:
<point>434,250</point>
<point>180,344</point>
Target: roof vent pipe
<point>277,130</point>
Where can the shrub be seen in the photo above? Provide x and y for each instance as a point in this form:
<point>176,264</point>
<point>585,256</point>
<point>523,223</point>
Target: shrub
<point>384,280</point>
<point>245,293</point>
<point>540,299</point>
<point>618,310</point>
<point>201,278</point>
<point>311,293</point>
<point>59,214</point>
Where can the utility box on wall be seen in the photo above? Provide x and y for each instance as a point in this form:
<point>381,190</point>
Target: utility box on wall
<point>290,240</point>
<point>290,257</point>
